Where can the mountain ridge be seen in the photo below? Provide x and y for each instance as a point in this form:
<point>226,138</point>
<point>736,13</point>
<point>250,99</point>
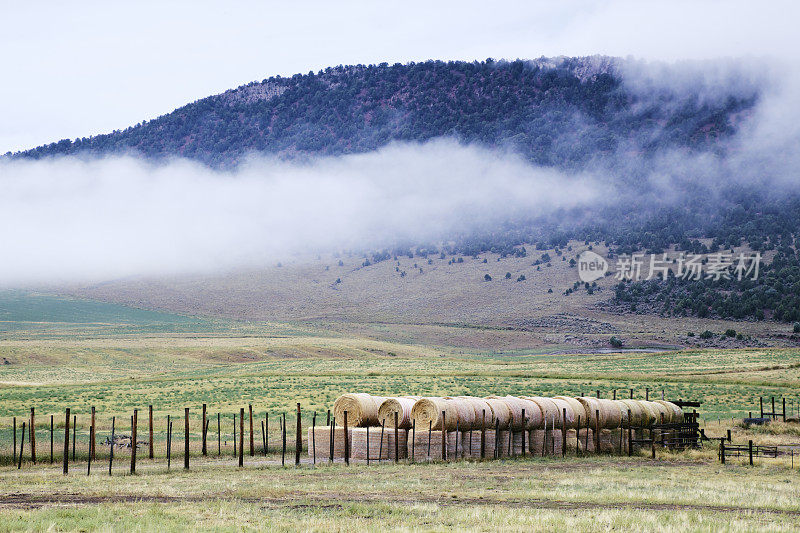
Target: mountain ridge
<point>561,112</point>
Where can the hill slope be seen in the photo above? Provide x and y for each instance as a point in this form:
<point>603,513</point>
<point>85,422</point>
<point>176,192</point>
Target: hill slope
<point>562,112</point>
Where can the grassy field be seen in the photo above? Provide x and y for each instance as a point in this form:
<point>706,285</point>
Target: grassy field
<point>118,359</point>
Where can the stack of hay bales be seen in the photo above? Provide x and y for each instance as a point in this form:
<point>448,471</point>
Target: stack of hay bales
<point>505,426</point>
<point>427,445</point>
<point>381,443</point>
<point>434,413</point>
<point>319,442</point>
<point>676,413</point>
<point>400,405</point>
<point>362,409</point>
<point>541,439</point>
<point>465,412</point>
<point>575,424</point>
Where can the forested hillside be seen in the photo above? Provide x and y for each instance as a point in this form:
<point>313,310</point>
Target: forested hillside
<point>563,113</point>
<point>571,114</point>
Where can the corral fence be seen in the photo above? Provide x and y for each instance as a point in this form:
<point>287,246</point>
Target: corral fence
<point>135,437</point>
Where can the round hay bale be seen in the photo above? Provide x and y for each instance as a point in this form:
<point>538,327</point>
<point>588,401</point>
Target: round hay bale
<point>427,412</point>
<point>651,413</point>
<point>466,413</point>
<point>611,413</point>
<point>550,411</point>
<point>623,411</point>
<point>401,405</point>
<point>638,414</point>
<point>534,418</point>
<point>480,406</point>
<point>677,412</point>
<point>501,413</point>
<point>565,408</point>
<point>362,409</point>
<point>515,408</point>
<point>661,409</point>
<point>577,410</point>
<point>591,407</point>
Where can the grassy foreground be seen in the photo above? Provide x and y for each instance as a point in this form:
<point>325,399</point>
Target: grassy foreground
<point>174,363</point>
<point>584,494</point>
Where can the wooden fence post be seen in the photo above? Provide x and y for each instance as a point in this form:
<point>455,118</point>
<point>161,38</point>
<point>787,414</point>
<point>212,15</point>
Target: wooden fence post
<point>283,439</point>
<point>380,442</point>
<point>111,451</point>
<point>205,440</point>
<point>496,438</point>
<point>252,442</point>
<point>241,436</point>
<point>430,430</point>
<point>314,439</point>
<point>630,434</point>
<point>444,439</point>
<point>133,440</point>
<point>66,444</point>
<point>52,428</point>
<point>750,451</point>
<point>413,438</point>
<point>169,443</point>
<point>89,462</point>
<point>298,447</point>
<point>722,450</point>
<point>219,434</point>
<point>33,435</point>
<point>483,434</point>
<point>347,442</point>
<point>761,405</point>
<point>396,439</point>
<point>150,431</point>
<point>332,426</point>
<point>186,438</point>
<point>92,442</point>
<point>597,431</point>
<point>21,445</point>
<point>263,439</point>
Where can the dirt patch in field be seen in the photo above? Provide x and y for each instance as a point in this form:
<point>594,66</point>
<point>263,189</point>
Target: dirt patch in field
<point>339,500</point>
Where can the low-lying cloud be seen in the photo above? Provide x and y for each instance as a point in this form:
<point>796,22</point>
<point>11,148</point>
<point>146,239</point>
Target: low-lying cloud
<point>73,219</point>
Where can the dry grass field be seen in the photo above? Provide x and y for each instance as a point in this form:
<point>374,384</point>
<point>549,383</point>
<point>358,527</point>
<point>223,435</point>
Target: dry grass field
<point>118,359</point>
<point>431,300</point>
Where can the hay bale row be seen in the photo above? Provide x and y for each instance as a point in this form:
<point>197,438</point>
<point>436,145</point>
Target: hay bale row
<point>471,444</point>
<point>379,449</point>
<point>427,445</point>
<point>580,440</point>
<point>319,442</point>
<point>546,442</point>
<point>463,413</point>
<point>362,409</point>
<point>402,405</point>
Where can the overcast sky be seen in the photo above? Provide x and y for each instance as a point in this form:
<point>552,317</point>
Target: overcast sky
<point>74,69</point>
